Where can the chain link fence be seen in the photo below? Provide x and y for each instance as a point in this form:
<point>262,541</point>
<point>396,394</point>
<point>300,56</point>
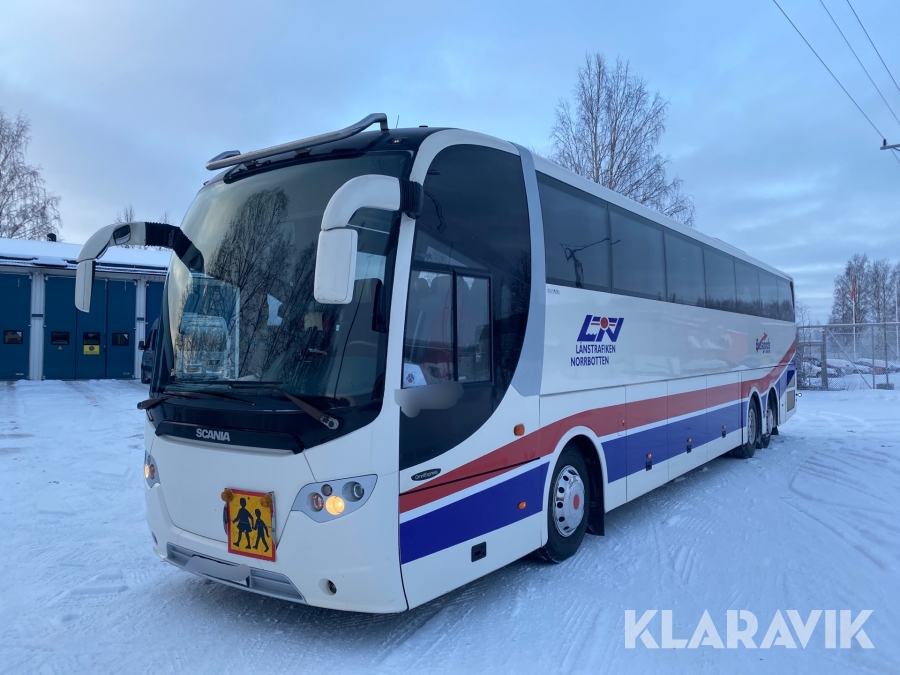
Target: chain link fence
<point>838,357</point>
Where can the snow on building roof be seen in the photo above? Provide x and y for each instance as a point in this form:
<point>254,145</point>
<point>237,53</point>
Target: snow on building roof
<point>62,255</point>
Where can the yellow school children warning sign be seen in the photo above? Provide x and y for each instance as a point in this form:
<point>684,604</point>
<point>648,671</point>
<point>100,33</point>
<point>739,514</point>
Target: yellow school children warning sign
<point>250,522</point>
<point>92,349</point>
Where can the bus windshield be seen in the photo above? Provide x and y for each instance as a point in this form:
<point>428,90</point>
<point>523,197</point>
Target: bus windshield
<point>242,313</point>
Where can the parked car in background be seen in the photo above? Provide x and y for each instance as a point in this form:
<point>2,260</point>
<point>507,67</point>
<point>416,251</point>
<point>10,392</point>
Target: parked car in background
<point>871,367</point>
<point>880,366</point>
<point>847,367</point>
<point>148,347</point>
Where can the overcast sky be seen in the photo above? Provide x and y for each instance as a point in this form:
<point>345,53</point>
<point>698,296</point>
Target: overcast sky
<point>129,100</point>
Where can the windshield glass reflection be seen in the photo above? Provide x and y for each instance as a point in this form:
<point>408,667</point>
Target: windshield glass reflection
<point>248,316</point>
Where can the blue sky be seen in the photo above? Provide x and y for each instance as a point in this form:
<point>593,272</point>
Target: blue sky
<point>129,100</point>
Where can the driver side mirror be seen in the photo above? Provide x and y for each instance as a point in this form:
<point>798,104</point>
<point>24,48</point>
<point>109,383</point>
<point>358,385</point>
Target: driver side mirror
<point>335,266</point>
<point>336,254</point>
<point>120,234</point>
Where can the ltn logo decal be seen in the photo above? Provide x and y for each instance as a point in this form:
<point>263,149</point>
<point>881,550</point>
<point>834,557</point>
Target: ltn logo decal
<point>595,327</point>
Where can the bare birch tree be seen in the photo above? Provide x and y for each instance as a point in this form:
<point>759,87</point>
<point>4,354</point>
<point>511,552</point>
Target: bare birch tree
<point>126,215</point>
<point>27,210</point>
<point>609,133</point>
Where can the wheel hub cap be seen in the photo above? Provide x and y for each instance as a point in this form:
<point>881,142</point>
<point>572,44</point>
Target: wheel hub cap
<point>568,501</point>
<point>752,425</point>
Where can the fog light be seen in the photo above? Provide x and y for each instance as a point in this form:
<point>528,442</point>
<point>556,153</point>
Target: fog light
<point>353,491</point>
<point>316,502</point>
<point>334,505</point>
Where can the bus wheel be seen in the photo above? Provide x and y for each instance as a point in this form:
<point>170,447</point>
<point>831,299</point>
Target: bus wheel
<point>567,505</point>
<point>748,449</point>
<point>768,427</point>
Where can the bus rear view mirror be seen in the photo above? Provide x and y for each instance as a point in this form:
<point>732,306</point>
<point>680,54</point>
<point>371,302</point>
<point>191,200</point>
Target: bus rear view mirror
<point>335,266</point>
<point>84,284</point>
<point>336,256</point>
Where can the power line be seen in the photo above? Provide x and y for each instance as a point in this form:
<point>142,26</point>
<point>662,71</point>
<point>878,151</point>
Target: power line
<point>873,45</point>
<point>844,89</point>
<point>822,2</point>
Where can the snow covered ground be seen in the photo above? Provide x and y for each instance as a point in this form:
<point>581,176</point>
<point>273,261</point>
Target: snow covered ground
<point>810,523</point>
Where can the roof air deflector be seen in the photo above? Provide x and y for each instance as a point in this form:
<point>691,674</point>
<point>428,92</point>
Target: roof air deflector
<point>232,158</point>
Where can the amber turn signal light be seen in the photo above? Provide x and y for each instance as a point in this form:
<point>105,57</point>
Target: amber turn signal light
<point>519,430</point>
<point>227,496</point>
<point>522,505</point>
<point>649,455</point>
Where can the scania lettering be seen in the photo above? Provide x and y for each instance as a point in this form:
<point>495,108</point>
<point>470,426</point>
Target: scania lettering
<point>214,435</point>
<point>420,354</point>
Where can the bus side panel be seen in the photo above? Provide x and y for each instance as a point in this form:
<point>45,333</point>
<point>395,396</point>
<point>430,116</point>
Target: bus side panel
<point>472,499</point>
<point>688,436</point>
<point>486,525</point>
<point>724,413</point>
<point>646,442</point>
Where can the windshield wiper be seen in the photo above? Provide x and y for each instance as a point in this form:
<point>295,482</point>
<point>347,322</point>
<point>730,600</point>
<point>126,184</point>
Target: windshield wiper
<point>191,395</point>
<point>311,410</point>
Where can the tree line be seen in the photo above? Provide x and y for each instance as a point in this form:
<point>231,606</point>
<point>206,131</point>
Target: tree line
<point>867,290</point>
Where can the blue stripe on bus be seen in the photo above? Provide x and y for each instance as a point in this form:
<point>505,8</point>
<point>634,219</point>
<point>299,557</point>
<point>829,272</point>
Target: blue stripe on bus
<point>473,516</point>
<point>626,455</point>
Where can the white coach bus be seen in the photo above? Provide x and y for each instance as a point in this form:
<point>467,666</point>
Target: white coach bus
<point>441,353</point>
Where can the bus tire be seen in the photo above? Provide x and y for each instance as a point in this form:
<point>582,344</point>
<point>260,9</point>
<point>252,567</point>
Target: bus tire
<point>567,502</point>
<point>767,424</point>
<point>748,449</point>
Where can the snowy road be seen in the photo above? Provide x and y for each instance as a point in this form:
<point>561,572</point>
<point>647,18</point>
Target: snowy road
<point>810,523</point>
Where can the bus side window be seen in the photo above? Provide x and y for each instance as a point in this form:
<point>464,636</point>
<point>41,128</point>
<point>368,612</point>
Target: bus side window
<point>428,341</point>
<point>684,271</point>
<point>473,329</point>
<point>768,291</point>
<point>785,300</point>
<point>576,235</point>
<point>638,263</point>
<point>720,284</point>
<point>747,277</point>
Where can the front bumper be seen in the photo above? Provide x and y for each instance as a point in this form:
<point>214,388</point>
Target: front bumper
<point>357,553</point>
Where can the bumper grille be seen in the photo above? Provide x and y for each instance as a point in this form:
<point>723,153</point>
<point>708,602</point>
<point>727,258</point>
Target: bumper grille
<point>260,581</point>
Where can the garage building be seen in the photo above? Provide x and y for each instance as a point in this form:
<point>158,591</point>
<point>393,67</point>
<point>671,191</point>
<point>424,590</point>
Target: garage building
<point>43,336</point>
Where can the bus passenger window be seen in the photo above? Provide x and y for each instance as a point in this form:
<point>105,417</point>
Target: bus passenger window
<point>638,266</point>
<point>576,236</point>
<point>785,300</point>
<point>428,341</point>
<point>747,278</point>
<point>768,291</point>
<point>684,271</point>
<point>720,286</point>
<point>473,332</point>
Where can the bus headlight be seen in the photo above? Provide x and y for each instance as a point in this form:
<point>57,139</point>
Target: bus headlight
<point>151,473</point>
<point>334,505</point>
<point>341,497</point>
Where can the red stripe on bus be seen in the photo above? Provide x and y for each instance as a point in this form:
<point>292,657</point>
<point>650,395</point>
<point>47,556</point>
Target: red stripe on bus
<point>604,421</point>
